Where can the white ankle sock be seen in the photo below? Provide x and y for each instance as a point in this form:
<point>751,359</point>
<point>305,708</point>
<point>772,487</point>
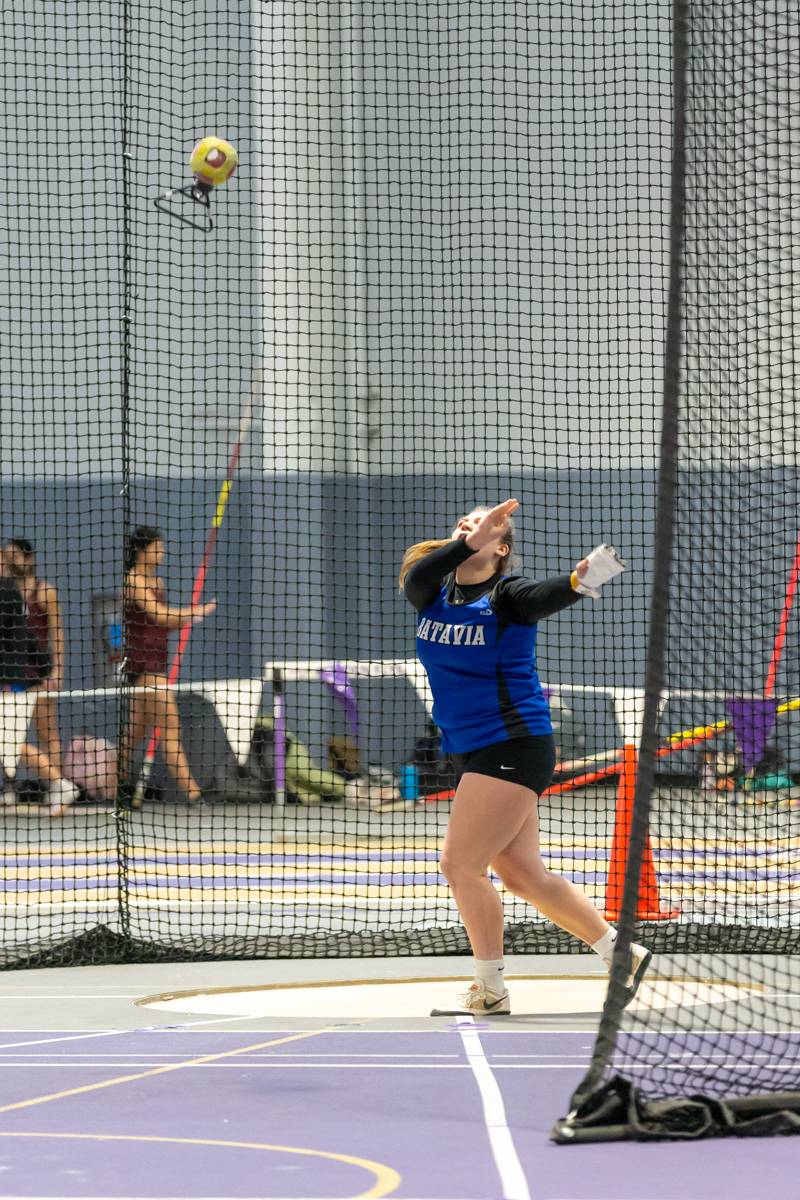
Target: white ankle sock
<point>604,946</point>
<point>490,972</point>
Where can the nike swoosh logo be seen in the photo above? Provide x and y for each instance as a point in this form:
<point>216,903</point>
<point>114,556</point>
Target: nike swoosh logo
<point>493,1004</point>
<point>506,768</point>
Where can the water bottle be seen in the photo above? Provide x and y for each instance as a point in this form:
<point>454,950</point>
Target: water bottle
<point>409,782</point>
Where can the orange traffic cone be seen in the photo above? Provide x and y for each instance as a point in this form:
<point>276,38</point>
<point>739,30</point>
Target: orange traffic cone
<point>648,904</point>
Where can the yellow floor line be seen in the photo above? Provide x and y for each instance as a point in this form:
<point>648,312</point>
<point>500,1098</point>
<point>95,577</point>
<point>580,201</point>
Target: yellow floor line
<point>194,1062</point>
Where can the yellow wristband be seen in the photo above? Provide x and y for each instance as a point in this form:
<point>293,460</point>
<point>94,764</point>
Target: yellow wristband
<point>573,581</point>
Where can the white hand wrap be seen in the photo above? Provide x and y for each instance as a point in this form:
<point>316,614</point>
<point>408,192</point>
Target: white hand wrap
<point>604,564</point>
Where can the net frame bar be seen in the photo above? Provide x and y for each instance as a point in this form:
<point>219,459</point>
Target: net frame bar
<point>661,572</point>
<point>606,1109</point>
<point>121,806</point>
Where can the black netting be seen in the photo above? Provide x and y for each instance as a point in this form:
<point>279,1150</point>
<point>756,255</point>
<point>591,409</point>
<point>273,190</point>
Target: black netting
<point>439,278</point>
<point>711,1045</point>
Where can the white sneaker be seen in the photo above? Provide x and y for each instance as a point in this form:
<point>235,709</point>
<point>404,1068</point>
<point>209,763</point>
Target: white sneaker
<point>377,791</point>
<point>477,1001</point>
<point>62,795</point>
<point>640,959</point>
<point>356,793</point>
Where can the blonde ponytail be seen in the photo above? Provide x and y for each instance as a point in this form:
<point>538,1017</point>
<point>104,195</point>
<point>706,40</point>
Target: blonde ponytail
<point>414,553</point>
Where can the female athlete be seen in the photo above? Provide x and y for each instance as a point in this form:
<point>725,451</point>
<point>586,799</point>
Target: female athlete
<point>148,620</point>
<point>476,637</point>
<point>46,662</point>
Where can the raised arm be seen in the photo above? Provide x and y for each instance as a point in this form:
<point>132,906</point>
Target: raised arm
<point>139,592</point>
<point>525,603</point>
<point>424,579</point>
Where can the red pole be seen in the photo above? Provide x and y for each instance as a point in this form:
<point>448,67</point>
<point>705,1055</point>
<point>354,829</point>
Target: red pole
<point>780,637</point>
<point>577,781</point>
<point>199,582</point>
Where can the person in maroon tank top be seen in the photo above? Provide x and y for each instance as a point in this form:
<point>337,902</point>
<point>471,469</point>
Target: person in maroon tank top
<point>148,620</point>
<point>46,664</point>
<point>43,670</point>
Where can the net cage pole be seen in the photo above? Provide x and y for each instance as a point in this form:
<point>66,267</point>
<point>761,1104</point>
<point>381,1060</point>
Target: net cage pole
<point>723,1061</point>
<point>126,304</point>
<point>567,1129</point>
<point>446,245</point>
<point>422,220</point>
<point>356,381</point>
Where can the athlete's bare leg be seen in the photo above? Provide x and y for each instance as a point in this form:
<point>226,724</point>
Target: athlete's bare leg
<point>486,816</point>
<point>522,871</point>
<point>136,729</point>
<point>496,822</point>
<point>156,708</point>
<point>37,761</point>
<point>45,724</point>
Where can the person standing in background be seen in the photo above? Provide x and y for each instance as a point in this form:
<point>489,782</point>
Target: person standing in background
<point>45,670</point>
<point>19,649</point>
<point>148,621</point>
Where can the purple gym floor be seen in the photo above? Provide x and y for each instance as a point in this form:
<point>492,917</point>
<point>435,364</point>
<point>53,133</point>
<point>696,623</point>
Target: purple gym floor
<point>282,1120</point>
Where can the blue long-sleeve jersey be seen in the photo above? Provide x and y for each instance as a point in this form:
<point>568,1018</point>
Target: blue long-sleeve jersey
<point>478,646</point>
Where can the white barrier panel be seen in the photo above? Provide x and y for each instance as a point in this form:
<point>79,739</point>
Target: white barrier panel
<point>628,702</point>
<point>237,701</point>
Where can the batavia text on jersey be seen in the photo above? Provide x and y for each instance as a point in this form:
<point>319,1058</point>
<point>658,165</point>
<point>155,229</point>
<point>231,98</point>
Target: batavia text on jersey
<point>450,635</point>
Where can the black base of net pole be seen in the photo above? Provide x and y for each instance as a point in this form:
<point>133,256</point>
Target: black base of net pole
<point>618,1112</point>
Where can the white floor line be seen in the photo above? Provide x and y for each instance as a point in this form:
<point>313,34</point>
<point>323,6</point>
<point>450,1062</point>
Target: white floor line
<point>365,1025</point>
<point>78,1037</point>
<point>118,1054</point>
<point>15,1062</point>
<point>509,1168</point>
<point>239,1065</point>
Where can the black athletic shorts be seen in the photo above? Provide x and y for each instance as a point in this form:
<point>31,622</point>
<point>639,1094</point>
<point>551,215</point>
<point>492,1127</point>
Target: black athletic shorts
<point>526,760</point>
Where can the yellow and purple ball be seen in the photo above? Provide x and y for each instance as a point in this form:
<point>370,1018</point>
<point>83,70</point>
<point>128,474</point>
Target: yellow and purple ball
<point>213,161</point>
